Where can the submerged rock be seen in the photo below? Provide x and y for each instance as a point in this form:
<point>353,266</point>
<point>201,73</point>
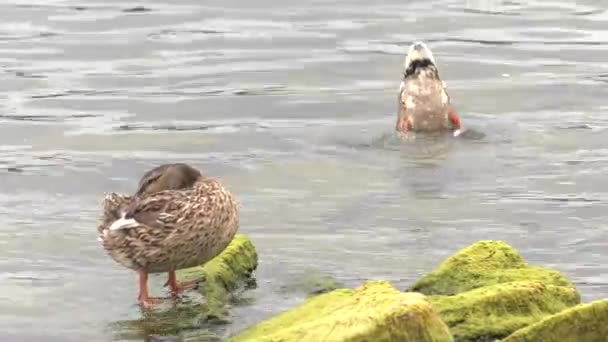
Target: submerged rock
<point>376,311</point>
<point>582,323</point>
<point>312,283</point>
<point>488,291</point>
<point>481,264</point>
<point>495,311</point>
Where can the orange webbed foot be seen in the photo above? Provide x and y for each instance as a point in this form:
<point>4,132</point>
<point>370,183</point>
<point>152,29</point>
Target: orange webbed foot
<point>144,298</point>
<point>457,125</point>
<point>455,119</point>
<point>150,302</point>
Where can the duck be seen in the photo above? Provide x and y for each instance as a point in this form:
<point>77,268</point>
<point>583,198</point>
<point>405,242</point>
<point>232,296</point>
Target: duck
<point>177,218</point>
<point>424,104</point>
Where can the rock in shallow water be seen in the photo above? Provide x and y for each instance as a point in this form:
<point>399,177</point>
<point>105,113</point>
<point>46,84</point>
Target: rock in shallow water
<point>312,283</point>
<point>484,292</point>
<point>487,291</point>
<point>376,311</point>
<point>582,323</point>
<point>481,264</point>
<point>224,273</point>
<point>495,311</point>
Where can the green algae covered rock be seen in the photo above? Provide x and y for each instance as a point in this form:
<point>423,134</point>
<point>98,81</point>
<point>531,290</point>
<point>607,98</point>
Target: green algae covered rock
<point>495,311</point>
<point>224,273</point>
<point>481,264</point>
<point>582,323</point>
<point>488,291</point>
<point>374,312</point>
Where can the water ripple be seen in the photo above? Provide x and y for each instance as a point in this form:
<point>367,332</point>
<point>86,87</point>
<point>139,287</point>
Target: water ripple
<point>292,104</point>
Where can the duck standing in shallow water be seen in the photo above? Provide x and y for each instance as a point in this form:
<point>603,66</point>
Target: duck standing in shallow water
<point>424,105</point>
<point>177,219</point>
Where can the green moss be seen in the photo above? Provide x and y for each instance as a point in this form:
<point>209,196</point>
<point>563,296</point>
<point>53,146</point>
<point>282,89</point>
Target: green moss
<point>496,311</point>
<point>582,323</point>
<point>487,291</point>
<point>224,273</point>
<point>481,264</point>
<point>375,312</point>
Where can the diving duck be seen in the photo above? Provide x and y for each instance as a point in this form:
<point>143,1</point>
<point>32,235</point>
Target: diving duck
<point>177,218</point>
<point>424,104</point>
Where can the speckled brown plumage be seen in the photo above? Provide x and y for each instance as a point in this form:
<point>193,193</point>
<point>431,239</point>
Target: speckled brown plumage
<point>182,219</point>
<point>173,176</point>
<point>424,104</point>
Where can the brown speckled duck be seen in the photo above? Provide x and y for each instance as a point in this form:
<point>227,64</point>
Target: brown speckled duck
<point>177,219</point>
<point>424,105</point>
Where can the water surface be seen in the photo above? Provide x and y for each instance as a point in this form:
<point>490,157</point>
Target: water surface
<point>292,104</point>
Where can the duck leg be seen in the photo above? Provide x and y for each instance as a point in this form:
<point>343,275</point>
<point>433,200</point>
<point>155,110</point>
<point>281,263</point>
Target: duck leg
<point>144,297</point>
<point>177,288</point>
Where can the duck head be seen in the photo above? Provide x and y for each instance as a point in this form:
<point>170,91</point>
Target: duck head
<point>164,177</point>
<point>424,104</point>
<point>168,177</point>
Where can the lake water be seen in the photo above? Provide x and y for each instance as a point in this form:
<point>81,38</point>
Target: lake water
<point>293,104</point>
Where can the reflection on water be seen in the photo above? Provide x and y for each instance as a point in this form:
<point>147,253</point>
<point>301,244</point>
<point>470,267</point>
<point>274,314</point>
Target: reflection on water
<point>180,321</point>
<point>293,105</point>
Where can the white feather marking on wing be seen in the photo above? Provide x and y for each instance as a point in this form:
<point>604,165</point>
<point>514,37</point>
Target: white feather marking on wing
<point>123,223</point>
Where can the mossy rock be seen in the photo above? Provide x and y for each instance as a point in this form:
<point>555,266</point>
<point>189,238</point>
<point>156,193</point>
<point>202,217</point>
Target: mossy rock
<point>582,323</point>
<point>496,311</point>
<point>374,312</point>
<point>481,264</point>
<point>224,273</point>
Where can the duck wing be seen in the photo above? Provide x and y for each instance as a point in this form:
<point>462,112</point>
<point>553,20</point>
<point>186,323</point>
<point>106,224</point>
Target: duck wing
<point>161,213</point>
